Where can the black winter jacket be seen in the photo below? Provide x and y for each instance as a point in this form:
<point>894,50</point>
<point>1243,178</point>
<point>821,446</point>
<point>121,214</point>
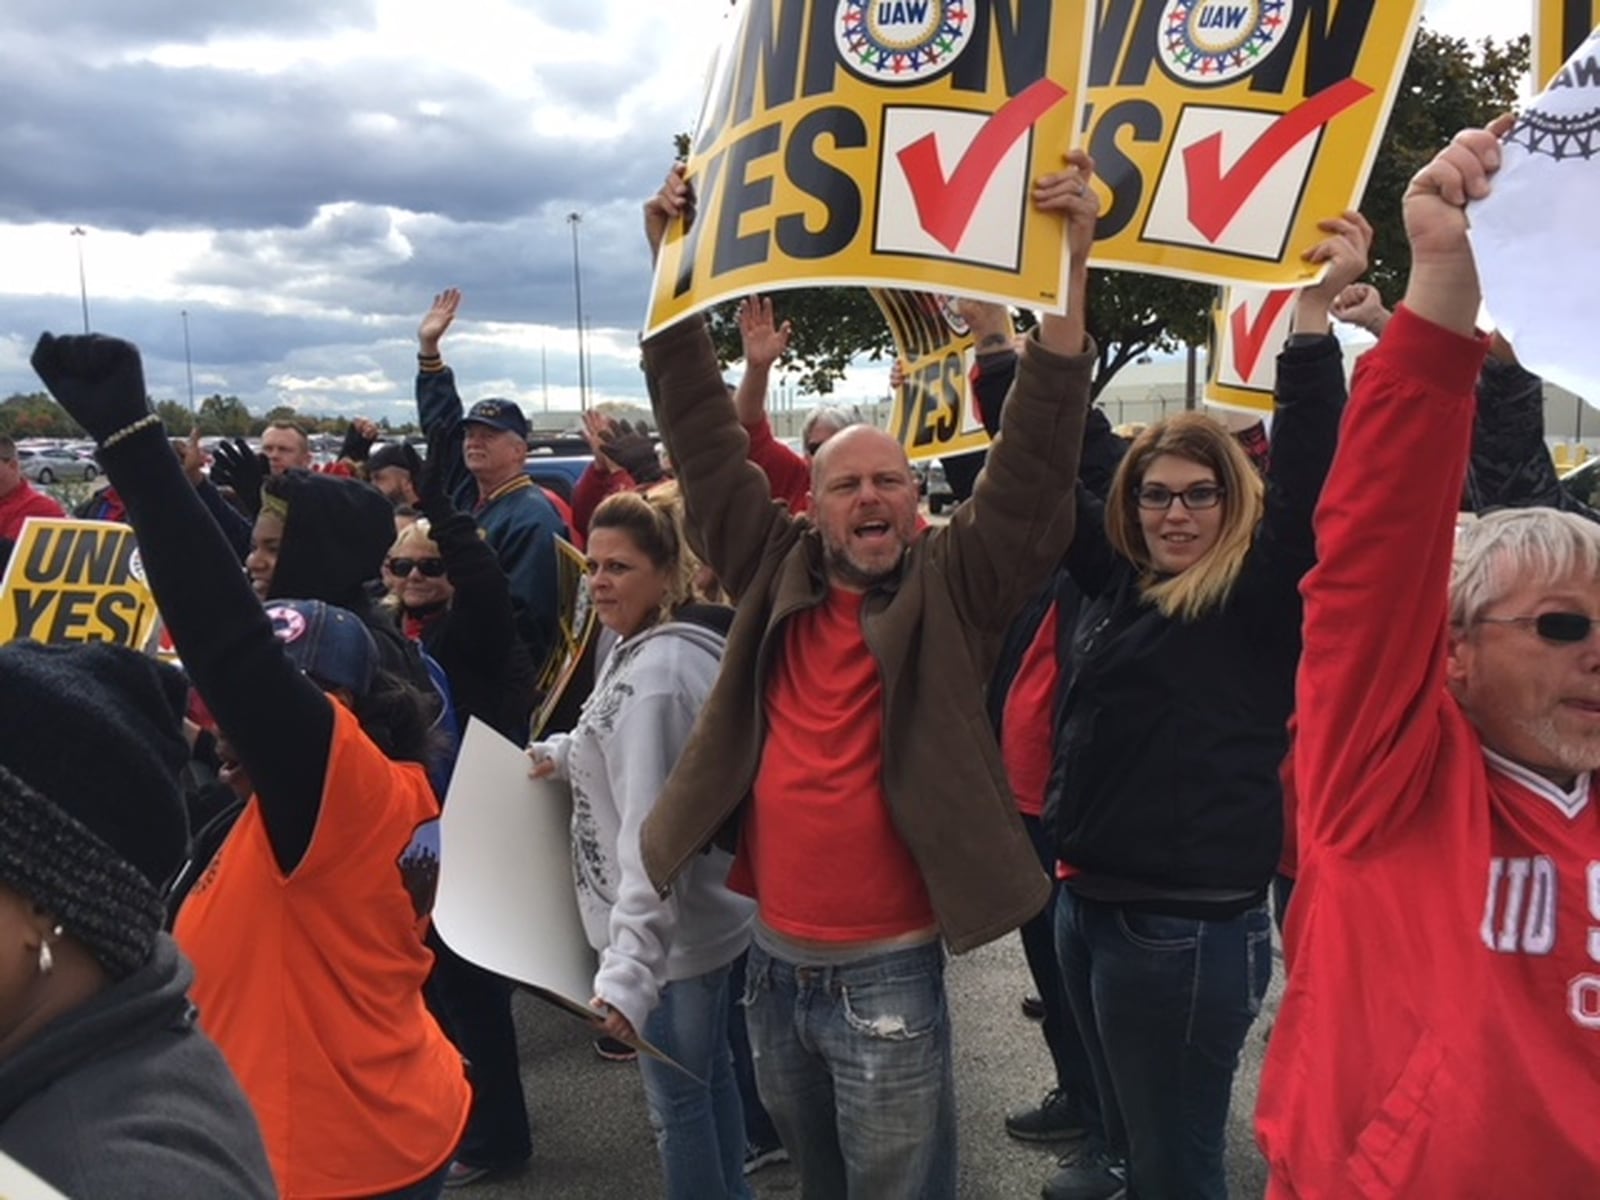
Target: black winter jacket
<point>1164,790</point>
<point>1511,465</point>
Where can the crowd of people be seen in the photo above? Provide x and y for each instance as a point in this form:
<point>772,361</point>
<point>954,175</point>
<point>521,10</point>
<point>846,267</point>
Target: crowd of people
<point>1179,687</point>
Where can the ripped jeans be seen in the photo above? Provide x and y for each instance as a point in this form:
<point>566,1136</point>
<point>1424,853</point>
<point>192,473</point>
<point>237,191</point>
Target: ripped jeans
<point>854,1064</point>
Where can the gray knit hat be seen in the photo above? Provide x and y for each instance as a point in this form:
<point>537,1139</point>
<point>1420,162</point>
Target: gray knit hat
<point>92,821</point>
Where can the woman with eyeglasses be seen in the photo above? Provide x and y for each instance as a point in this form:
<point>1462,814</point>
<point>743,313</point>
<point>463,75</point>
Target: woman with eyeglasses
<point>1164,804</point>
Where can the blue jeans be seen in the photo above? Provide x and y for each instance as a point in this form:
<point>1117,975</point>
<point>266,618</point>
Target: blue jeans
<point>1074,1075</point>
<point>854,1064</point>
<point>759,1131</point>
<point>699,1126</point>
<point>1164,1004</point>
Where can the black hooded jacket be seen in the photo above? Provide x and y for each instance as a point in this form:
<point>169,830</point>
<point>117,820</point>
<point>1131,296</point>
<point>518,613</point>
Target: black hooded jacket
<point>335,537</point>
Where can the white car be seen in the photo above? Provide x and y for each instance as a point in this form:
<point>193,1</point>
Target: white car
<point>54,465</point>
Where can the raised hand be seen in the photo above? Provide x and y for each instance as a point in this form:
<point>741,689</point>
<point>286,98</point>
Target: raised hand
<point>438,319</point>
<point>989,323</point>
<point>634,450</point>
<point>1443,287</point>
<point>765,342</point>
<point>1344,251</point>
<point>234,465</point>
<point>98,380</point>
<point>1361,305</point>
<point>675,199</point>
<point>1070,193</point>
<point>596,428</point>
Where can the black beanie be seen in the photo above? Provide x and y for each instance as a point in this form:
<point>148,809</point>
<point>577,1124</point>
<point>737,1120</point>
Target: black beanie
<point>92,821</point>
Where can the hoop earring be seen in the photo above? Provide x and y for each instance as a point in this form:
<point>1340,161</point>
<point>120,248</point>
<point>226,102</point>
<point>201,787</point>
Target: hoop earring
<point>47,960</point>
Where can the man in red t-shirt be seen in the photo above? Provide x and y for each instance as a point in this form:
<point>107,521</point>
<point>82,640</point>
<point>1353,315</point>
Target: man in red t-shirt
<point>1440,1035</point>
<point>845,737</point>
<point>18,498</point>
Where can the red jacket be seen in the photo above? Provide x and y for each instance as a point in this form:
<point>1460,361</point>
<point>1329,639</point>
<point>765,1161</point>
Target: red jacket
<point>788,475</point>
<point>22,502</point>
<point>1440,1035</point>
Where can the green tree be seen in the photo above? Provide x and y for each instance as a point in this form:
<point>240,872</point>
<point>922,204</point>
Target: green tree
<point>1449,85</point>
<point>224,416</point>
<point>36,415</point>
<point>176,418</point>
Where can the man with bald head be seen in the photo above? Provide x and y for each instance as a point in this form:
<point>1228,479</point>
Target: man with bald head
<point>844,753</point>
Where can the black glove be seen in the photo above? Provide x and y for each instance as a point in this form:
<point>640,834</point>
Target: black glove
<point>233,465</point>
<point>634,451</point>
<point>98,380</point>
<point>356,445</point>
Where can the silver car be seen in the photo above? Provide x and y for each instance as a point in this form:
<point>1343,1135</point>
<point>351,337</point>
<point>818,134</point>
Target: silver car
<point>55,465</point>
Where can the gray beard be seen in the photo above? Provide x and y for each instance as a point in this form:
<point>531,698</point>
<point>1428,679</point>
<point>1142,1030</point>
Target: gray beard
<point>1570,754</point>
<point>840,567</point>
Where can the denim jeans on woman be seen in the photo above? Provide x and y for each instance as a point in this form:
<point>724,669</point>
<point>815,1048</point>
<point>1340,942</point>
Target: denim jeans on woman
<point>699,1126</point>
<point>1164,1004</point>
<point>854,1063</point>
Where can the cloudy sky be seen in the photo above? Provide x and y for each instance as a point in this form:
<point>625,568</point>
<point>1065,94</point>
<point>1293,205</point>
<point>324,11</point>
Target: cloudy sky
<point>300,176</point>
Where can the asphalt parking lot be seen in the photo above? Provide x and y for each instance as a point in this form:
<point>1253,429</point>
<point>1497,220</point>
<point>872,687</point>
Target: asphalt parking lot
<point>592,1140</point>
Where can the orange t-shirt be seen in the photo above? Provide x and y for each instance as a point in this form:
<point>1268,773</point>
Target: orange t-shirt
<point>312,984</point>
<point>823,856</point>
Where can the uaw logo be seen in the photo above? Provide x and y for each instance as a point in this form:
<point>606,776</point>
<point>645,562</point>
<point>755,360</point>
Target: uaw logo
<point>1563,123</point>
<point>901,41</point>
<point>1215,41</point>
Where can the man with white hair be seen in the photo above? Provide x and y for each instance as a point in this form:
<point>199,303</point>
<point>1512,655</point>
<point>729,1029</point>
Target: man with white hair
<point>1441,1031</point>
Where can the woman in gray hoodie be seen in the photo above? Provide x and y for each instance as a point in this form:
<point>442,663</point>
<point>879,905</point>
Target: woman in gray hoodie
<point>663,960</point>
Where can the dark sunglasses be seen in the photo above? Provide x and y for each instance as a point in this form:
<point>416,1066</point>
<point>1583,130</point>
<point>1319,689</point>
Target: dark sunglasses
<point>1198,495</point>
<point>1564,628</point>
<point>812,448</point>
<point>432,568</point>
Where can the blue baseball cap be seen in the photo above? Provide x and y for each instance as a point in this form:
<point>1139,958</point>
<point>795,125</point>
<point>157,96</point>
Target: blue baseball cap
<point>331,645</point>
<point>498,414</point>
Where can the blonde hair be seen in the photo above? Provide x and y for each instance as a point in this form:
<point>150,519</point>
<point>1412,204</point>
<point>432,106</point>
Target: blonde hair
<point>418,531</point>
<point>1517,545</point>
<point>1199,439</point>
<point>657,532</point>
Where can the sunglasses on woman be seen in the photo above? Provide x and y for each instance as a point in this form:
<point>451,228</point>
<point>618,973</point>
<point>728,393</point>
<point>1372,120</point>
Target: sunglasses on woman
<point>1563,628</point>
<point>431,568</point>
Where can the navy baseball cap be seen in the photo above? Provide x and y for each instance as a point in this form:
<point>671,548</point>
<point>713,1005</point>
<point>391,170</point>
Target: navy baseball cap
<point>498,414</point>
<point>328,643</point>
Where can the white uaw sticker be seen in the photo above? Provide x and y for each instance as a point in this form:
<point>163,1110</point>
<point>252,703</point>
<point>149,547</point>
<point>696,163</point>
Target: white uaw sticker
<point>1217,41</point>
<point>901,41</point>
<point>136,565</point>
<point>288,624</point>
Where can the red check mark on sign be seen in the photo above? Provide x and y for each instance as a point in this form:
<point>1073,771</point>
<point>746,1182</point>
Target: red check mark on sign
<point>1215,198</point>
<point>945,206</point>
<point>1248,341</point>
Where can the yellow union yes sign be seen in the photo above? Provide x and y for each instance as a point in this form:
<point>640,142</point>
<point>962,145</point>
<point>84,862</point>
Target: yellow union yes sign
<point>1224,130</point>
<point>880,142</point>
<point>76,581</point>
<point>933,412</point>
<point>1559,28</point>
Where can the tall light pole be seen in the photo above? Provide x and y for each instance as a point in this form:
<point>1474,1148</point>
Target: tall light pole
<point>78,234</point>
<point>574,219</point>
<point>188,360</point>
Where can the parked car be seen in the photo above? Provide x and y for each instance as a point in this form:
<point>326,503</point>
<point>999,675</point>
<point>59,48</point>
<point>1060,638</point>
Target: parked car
<point>55,464</point>
<point>1582,483</point>
<point>937,489</point>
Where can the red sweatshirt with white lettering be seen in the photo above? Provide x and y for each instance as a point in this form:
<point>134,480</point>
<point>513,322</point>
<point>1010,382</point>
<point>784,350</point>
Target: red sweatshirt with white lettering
<point>1440,1035</point>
